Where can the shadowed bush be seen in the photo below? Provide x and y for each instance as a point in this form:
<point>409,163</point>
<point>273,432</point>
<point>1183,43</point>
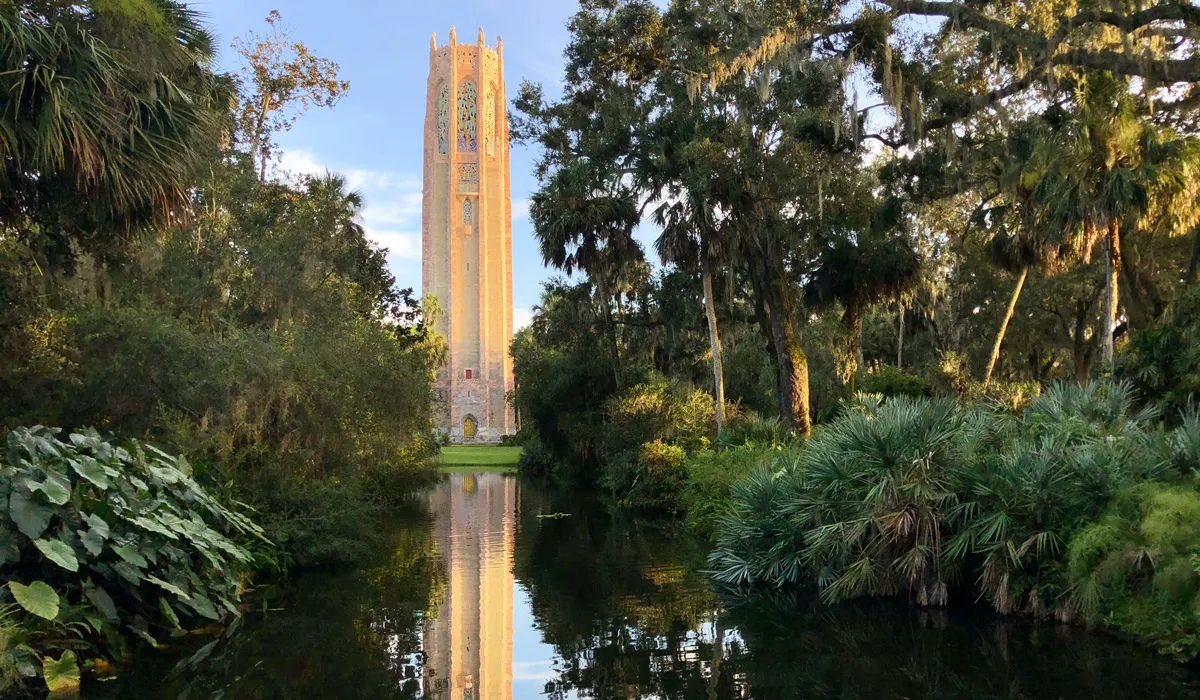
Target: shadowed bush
<point>97,539</point>
<point>1082,504</point>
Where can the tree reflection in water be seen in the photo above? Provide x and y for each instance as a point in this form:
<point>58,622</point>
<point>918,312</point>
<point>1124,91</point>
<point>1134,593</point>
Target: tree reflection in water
<point>617,609</point>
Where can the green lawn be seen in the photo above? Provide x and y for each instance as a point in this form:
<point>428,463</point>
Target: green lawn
<point>477,458</point>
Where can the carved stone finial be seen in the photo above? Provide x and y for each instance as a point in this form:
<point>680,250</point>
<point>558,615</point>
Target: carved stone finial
<point>499,44</point>
<point>453,36</point>
<point>433,41</point>
<point>481,42</point>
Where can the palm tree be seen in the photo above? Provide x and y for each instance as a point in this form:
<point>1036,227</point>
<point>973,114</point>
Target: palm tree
<point>689,235</point>
<point>1112,170</point>
<point>1017,242</point>
<point>680,170</point>
<point>585,221</point>
<point>103,120</point>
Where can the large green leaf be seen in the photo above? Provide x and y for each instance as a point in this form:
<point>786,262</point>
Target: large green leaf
<point>92,542</point>
<point>168,586</point>
<point>38,598</point>
<point>58,552</point>
<point>154,526</point>
<point>61,674</point>
<point>130,555</point>
<point>98,524</point>
<point>203,606</point>
<point>128,572</point>
<point>30,516</point>
<point>91,470</point>
<point>103,602</point>
<point>57,488</point>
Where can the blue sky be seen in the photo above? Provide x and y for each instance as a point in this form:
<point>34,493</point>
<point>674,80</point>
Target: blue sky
<point>374,134</point>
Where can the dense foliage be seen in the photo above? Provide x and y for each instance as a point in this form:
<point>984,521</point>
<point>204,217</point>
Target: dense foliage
<point>963,258</point>
<point>101,540</point>
<point>1078,507</point>
<point>162,280</point>
<point>931,236</point>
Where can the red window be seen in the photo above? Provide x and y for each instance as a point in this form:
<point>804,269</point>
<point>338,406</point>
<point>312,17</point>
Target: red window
<point>470,374</point>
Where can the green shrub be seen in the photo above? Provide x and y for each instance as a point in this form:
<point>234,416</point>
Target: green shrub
<point>658,480</point>
<point>953,377</point>
<point>710,476</point>
<point>1136,570</point>
<point>901,495</point>
<point>864,508</point>
<point>645,413</point>
<point>1181,449</point>
<point>893,381</point>
<point>514,440</point>
<point>757,541</point>
<point>753,430</point>
<point>536,459</point>
<point>97,540</point>
<point>657,411</point>
<point>1042,478</point>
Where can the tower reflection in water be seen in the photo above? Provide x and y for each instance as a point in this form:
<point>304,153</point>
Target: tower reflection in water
<point>468,643</point>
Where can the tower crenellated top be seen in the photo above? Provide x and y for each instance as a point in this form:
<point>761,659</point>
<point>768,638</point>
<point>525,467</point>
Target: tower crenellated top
<point>454,46</point>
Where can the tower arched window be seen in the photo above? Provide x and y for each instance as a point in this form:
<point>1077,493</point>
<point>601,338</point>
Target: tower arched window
<point>443,120</point>
<point>468,118</point>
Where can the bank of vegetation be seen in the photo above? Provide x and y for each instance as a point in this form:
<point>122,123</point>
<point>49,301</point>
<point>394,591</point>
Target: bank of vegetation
<point>235,385</point>
<point>919,318</point>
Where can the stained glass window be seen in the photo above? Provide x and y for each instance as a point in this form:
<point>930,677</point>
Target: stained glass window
<point>468,211</point>
<point>443,120</point>
<point>467,117</point>
<point>489,121</point>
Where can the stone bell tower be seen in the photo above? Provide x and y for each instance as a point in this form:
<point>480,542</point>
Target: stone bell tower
<point>466,228</point>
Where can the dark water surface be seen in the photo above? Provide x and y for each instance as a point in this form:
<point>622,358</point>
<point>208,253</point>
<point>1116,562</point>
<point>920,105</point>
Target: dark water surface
<point>479,596</point>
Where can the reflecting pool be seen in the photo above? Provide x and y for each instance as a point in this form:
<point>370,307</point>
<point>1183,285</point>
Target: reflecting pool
<point>495,588</point>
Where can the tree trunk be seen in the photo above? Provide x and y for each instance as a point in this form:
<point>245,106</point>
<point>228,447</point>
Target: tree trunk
<point>260,138</point>
<point>852,322</point>
<point>793,380</point>
<point>1008,314</point>
<point>1111,292</point>
<point>792,364</point>
<point>771,292</point>
<point>900,340</point>
<point>614,356</point>
<point>1081,351</point>
<point>714,343</point>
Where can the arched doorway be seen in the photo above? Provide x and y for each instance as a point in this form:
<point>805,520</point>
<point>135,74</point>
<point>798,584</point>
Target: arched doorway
<point>470,427</point>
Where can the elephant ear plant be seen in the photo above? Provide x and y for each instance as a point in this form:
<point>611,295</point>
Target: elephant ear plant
<point>99,541</point>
